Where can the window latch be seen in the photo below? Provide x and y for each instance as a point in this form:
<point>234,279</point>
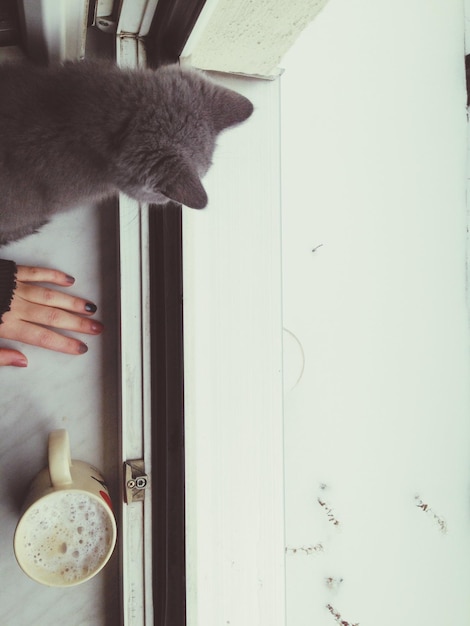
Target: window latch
<point>135,481</point>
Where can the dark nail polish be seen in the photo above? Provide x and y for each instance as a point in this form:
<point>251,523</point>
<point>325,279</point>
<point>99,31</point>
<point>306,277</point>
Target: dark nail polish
<point>97,327</point>
<point>70,279</point>
<point>82,348</point>
<point>91,308</point>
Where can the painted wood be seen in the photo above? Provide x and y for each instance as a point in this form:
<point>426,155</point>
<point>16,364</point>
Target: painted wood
<point>233,384</point>
<point>136,523</point>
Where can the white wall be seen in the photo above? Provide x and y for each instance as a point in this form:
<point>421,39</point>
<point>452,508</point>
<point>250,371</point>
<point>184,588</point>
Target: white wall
<point>374,169</point>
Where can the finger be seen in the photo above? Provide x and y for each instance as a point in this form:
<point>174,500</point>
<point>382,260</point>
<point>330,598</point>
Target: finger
<point>53,298</point>
<point>50,316</point>
<point>44,338</point>
<point>12,357</point>
<point>43,275</point>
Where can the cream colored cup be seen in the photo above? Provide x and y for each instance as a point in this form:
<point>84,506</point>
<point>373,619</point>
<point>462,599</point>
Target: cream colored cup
<point>67,531</point>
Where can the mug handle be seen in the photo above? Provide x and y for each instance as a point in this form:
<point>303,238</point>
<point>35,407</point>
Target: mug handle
<point>59,458</point>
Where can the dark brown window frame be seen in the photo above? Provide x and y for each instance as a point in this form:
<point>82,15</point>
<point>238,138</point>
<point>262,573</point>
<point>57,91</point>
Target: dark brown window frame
<point>172,24</point>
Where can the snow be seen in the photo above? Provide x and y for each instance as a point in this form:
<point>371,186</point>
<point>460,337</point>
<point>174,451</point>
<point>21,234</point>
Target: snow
<point>376,348</point>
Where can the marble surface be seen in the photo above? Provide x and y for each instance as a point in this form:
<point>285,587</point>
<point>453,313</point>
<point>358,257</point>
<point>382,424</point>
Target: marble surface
<point>79,393</point>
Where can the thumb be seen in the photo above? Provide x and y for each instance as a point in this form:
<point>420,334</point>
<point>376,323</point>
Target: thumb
<point>12,357</point>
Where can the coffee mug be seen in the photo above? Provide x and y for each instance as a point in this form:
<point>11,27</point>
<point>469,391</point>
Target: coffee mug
<point>67,531</point>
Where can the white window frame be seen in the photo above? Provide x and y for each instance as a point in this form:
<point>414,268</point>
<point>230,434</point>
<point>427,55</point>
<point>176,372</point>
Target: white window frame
<point>232,320</point>
<point>136,517</point>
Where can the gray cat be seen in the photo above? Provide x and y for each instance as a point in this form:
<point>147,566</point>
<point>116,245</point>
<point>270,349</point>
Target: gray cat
<point>83,131</point>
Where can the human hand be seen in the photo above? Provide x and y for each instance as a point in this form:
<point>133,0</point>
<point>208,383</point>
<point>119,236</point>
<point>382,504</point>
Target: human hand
<point>34,308</point>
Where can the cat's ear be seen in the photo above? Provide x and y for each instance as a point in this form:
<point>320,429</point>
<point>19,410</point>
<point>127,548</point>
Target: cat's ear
<point>229,108</point>
<point>185,187</point>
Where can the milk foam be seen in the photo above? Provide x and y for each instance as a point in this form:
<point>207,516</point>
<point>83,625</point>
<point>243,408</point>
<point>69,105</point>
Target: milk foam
<point>65,537</point>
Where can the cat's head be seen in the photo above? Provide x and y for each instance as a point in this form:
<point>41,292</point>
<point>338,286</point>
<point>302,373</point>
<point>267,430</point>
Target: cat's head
<point>166,143</point>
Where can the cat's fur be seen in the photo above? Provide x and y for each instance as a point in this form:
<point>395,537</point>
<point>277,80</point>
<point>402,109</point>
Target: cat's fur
<point>85,130</point>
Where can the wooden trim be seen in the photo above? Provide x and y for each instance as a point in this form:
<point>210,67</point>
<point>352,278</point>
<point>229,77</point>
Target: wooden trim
<point>171,26</point>
<point>166,314</point>
<point>136,420</point>
<point>233,376</point>
<point>53,31</point>
<point>9,24</point>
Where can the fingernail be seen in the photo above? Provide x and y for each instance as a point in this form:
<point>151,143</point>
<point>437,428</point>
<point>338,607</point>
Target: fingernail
<point>82,348</point>
<point>97,327</point>
<point>91,308</point>
<point>69,279</point>
<point>20,362</point>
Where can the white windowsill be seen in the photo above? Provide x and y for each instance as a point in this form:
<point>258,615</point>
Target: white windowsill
<point>233,377</point>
